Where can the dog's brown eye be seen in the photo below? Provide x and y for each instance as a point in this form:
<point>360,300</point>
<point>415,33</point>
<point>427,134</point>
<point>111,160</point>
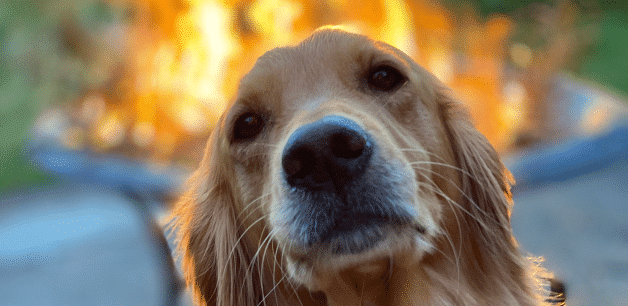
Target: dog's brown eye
<point>247,126</point>
<point>385,78</point>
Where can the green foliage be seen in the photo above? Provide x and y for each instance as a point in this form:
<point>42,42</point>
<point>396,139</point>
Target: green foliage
<point>488,7</point>
<point>17,171</point>
<point>18,27</point>
<point>38,69</point>
<point>605,62</point>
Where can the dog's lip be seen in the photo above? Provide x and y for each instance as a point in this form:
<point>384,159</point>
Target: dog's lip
<point>339,255</point>
<point>359,234</point>
<point>378,266</point>
<point>349,223</point>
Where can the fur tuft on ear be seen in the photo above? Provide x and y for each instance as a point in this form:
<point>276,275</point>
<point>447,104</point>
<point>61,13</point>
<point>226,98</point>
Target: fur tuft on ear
<point>484,178</point>
<point>485,187</point>
<point>216,262</point>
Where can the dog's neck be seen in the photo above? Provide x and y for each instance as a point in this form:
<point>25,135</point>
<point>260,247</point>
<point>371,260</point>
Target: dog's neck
<point>381,282</point>
<point>436,280</point>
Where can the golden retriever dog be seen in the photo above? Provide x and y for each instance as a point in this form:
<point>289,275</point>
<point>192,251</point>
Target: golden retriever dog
<point>345,174</point>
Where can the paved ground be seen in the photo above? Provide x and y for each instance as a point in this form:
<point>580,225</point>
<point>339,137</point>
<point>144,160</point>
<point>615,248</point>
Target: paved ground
<point>77,246</point>
<point>581,228</point>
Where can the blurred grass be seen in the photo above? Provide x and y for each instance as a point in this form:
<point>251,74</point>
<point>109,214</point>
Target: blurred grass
<point>36,71</point>
<point>20,24</point>
<point>605,62</point>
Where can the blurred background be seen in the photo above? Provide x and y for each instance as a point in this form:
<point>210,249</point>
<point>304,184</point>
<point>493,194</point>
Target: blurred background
<point>105,108</point>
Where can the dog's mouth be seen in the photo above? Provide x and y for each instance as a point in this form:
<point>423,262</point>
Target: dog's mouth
<point>353,241</point>
<point>378,209</point>
<point>353,234</point>
<point>372,219</point>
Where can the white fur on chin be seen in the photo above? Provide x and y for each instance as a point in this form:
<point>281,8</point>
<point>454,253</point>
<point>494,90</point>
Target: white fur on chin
<point>314,273</point>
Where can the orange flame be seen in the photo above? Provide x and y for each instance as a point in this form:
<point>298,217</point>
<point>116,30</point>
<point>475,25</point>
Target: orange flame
<point>188,55</point>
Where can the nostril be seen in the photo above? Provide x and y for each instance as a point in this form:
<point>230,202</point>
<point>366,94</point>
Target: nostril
<point>347,146</point>
<point>291,166</point>
<point>298,163</point>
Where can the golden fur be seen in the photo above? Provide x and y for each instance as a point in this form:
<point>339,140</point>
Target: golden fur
<point>237,249</point>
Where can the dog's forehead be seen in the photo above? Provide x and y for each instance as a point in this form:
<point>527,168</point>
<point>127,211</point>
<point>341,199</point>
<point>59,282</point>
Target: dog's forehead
<point>336,45</point>
<point>326,61</point>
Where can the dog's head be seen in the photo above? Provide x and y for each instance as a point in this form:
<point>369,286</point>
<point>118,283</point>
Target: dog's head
<point>343,163</point>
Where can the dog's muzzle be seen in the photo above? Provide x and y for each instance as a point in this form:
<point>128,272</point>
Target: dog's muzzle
<point>342,193</point>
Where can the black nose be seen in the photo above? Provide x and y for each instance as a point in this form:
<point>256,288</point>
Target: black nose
<point>326,155</point>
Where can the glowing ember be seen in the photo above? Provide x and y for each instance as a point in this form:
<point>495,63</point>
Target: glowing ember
<point>143,134</point>
<point>110,131</point>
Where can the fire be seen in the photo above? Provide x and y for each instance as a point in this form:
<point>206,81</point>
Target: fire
<point>186,57</point>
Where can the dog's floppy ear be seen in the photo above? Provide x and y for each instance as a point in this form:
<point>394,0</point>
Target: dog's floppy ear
<point>216,262</point>
<point>485,184</point>
<point>485,180</point>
